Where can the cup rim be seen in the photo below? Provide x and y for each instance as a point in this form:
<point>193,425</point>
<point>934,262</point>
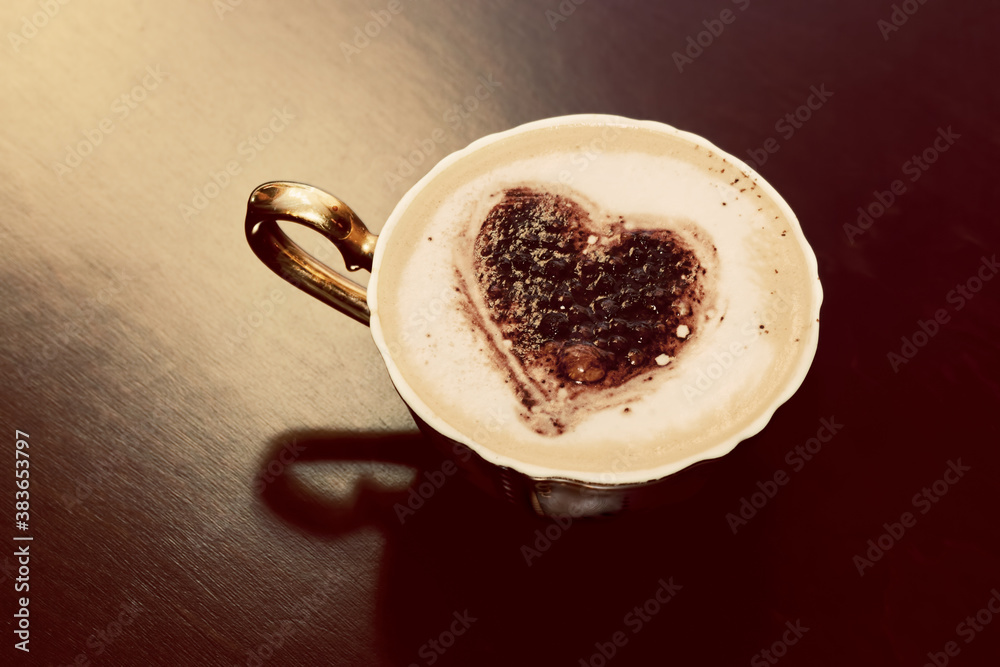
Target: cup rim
<point>439,425</point>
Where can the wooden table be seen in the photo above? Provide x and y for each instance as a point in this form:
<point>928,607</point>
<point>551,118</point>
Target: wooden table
<point>215,457</point>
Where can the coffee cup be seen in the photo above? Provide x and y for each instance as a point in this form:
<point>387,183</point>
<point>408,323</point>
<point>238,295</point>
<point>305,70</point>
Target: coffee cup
<point>580,310</point>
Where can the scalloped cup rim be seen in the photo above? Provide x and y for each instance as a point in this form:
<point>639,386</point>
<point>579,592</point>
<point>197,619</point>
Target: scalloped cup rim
<point>590,478</point>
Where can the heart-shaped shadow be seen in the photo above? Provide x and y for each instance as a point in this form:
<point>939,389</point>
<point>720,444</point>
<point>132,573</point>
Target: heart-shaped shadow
<point>539,591</point>
<point>369,498</point>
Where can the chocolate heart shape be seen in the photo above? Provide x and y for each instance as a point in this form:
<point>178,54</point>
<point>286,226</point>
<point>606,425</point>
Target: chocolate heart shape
<point>583,306</point>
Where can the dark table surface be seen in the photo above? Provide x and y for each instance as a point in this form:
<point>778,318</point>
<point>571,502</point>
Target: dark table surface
<point>215,457</point>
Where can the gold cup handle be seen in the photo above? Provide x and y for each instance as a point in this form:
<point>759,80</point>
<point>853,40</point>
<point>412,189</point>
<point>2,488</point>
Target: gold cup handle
<point>279,201</point>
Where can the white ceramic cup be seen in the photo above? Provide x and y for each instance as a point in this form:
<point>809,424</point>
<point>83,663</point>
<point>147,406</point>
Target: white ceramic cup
<point>546,490</point>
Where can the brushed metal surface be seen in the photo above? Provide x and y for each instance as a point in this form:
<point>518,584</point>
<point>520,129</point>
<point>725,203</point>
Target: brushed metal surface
<point>222,473</point>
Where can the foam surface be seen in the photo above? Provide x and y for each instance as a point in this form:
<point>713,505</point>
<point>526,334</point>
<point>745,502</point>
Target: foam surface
<point>762,322</point>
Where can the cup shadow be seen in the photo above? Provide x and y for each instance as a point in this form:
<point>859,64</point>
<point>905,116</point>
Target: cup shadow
<point>540,592</point>
<point>368,503</point>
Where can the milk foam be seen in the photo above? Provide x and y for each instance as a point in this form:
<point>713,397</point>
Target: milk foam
<point>762,325</point>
